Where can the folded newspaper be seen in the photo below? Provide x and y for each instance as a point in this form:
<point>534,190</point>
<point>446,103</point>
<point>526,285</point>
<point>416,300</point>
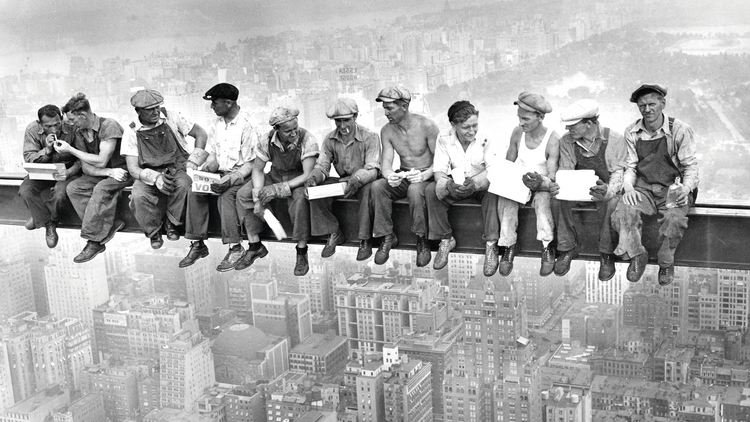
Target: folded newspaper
<point>202,181</point>
<point>43,171</point>
<point>506,180</point>
<point>575,185</point>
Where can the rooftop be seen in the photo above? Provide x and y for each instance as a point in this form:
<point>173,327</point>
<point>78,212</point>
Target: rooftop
<point>319,345</point>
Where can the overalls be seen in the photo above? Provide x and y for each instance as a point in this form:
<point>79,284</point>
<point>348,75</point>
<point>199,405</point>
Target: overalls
<point>285,165</point>
<point>95,197</point>
<point>160,150</point>
<point>567,237</point>
<point>656,172</point>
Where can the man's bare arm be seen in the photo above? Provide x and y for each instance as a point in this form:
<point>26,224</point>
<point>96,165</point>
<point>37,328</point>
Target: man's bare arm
<point>386,166</point>
<point>512,153</point>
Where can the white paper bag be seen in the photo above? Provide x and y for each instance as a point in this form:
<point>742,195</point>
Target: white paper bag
<point>575,185</point>
<point>44,171</point>
<point>202,181</point>
<point>505,179</point>
<point>458,175</point>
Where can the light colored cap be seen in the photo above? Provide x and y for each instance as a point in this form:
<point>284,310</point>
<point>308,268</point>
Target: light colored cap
<point>282,115</point>
<point>343,108</point>
<point>579,110</point>
<point>392,93</point>
<point>147,98</point>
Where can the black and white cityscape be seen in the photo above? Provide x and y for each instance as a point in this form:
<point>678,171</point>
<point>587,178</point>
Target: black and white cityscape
<point>132,337</point>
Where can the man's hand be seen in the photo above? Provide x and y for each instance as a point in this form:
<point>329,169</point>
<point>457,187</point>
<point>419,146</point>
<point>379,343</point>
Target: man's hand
<point>415,176</point>
<point>352,186</point>
<point>277,190</point>
<point>311,182</point>
<point>532,180</point>
<point>316,176</point>
<point>211,166</point>
<point>631,197</point>
<point>165,183</point>
<point>394,179</point>
<point>468,188</point>
<point>601,192</point>
<point>49,142</point>
<point>59,177</point>
<point>682,196</point>
<point>62,146</point>
<point>258,209</point>
<point>453,189</point>
<point>554,188</point>
<point>118,174</point>
<point>191,166</point>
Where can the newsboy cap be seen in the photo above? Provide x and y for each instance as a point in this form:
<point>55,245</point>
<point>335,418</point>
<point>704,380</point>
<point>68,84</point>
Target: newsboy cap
<point>147,98</point>
<point>533,102</point>
<point>282,115</point>
<point>647,88</point>
<point>343,108</point>
<point>579,110</point>
<point>393,93</point>
<point>222,91</point>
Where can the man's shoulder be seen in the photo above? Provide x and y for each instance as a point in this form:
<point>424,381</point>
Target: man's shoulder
<point>34,127</point>
<point>633,127</point>
<point>516,134</point>
<point>365,132</point>
<point>425,121</point>
<point>110,126</point>
<point>612,135</point>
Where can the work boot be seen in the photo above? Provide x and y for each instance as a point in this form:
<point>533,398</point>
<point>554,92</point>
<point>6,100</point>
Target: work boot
<point>116,227</point>
<point>197,251</point>
<point>389,241</point>
<point>302,266</point>
<point>445,248</point>
<point>231,259</point>
<point>91,250</point>
<point>506,263</point>
<point>562,265</point>
<point>365,249</point>
<point>50,234</point>
<point>171,229</point>
<point>490,258</point>
<point>156,241</point>
<point>423,252</point>
<point>250,257</point>
<point>333,239</point>
<point>666,275</point>
<point>607,267</point>
<point>30,224</point>
<point>636,267</point>
<point>548,261</point>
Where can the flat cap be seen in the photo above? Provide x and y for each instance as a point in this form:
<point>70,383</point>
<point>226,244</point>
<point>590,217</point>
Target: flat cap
<point>222,91</point>
<point>282,115</point>
<point>392,93</point>
<point>579,110</point>
<point>147,98</point>
<point>533,102</point>
<point>647,88</point>
<point>343,108</point>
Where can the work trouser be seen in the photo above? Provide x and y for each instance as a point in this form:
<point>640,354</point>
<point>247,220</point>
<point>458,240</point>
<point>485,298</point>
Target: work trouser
<point>382,196</point>
<point>323,221</point>
<point>437,211</point>
<point>627,221</point>
<point>298,208</point>
<point>507,213</point>
<point>144,203</point>
<point>43,212</point>
<point>196,216</point>
<point>95,201</point>
<point>567,235</point>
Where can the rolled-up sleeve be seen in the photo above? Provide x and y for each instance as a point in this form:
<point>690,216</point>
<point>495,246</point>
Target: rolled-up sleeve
<point>372,151</point>
<point>631,160</point>
<point>249,141</point>
<point>326,156</point>
<point>33,150</point>
<point>129,145</point>
<point>442,161</point>
<point>568,158</point>
<point>616,157</point>
<point>684,145</point>
<point>309,146</point>
<point>261,148</point>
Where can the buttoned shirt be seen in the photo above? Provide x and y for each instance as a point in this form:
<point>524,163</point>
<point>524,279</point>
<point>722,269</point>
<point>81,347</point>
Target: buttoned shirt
<point>232,142</point>
<point>308,145</point>
<point>362,152</point>
<point>680,144</point>
<point>176,121</point>
<point>615,156</point>
<point>34,144</point>
<point>449,154</point>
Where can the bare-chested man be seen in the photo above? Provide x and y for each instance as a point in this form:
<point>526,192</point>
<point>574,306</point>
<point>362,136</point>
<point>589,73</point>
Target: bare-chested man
<point>413,138</point>
<point>537,148</point>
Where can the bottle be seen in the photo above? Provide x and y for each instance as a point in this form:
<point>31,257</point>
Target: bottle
<point>672,193</point>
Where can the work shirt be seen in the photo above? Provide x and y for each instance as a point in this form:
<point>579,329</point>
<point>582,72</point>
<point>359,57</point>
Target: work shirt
<point>103,130</point>
<point>180,125</point>
<point>680,145</point>
<point>362,152</point>
<point>308,145</point>
<point>615,156</point>
<point>34,145</point>
<point>449,154</point>
<point>232,142</point>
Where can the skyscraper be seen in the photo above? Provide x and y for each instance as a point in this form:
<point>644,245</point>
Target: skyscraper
<point>186,368</point>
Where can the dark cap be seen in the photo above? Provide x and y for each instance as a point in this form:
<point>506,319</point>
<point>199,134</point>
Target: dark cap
<point>648,88</point>
<point>147,98</point>
<point>533,102</point>
<point>222,91</point>
<point>393,93</point>
<point>458,106</point>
